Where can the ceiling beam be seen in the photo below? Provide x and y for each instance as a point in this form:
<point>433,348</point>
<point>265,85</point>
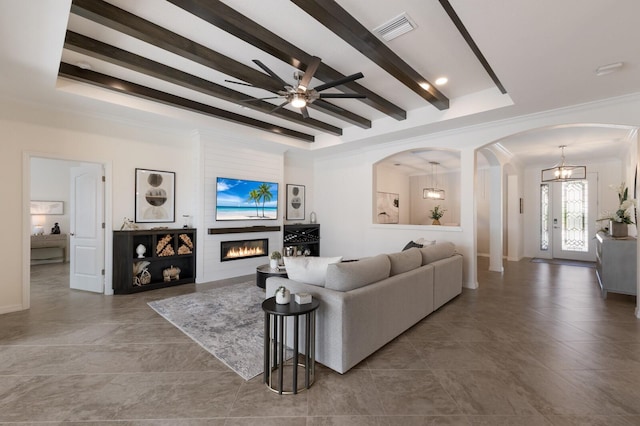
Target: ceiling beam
<point>472,44</point>
<point>228,19</point>
<point>338,20</point>
<point>102,80</point>
<point>88,46</point>
<point>120,20</point>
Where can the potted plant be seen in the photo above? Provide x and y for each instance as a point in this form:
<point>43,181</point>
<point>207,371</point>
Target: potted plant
<point>436,214</point>
<point>283,295</point>
<point>619,219</point>
<point>275,259</point>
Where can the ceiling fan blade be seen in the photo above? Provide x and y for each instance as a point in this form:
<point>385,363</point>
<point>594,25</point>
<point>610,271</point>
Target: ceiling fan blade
<point>259,99</point>
<point>342,95</point>
<point>339,81</point>
<point>309,72</point>
<point>268,71</point>
<point>240,83</point>
<point>305,112</point>
<point>278,107</point>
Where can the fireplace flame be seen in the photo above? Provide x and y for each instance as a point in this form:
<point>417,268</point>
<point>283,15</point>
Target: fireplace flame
<point>236,252</point>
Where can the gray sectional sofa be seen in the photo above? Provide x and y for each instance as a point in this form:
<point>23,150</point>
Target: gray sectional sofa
<point>367,303</point>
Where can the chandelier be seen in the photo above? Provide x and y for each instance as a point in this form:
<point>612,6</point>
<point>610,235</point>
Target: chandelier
<point>563,172</point>
<point>433,193</point>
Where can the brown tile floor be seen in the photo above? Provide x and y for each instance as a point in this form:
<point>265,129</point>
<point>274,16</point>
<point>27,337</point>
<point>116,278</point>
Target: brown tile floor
<point>535,345</point>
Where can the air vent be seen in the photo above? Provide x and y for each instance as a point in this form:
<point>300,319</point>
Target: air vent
<point>399,25</point>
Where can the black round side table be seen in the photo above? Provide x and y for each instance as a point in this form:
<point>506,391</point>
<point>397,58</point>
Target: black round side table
<point>265,271</point>
<point>275,350</point>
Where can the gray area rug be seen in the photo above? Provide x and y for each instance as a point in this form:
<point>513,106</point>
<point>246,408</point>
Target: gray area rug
<point>228,322</point>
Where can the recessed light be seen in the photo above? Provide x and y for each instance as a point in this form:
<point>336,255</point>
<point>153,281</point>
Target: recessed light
<point>425,86</point>
<point>442,80</point>
<point>609,68</point>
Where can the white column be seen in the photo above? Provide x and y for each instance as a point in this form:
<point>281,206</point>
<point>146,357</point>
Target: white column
<point>495,219</point>
<point>468,214</point>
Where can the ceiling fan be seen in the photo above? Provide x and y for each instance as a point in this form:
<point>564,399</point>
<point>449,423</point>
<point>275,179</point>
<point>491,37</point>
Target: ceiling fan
<point>300,95</point>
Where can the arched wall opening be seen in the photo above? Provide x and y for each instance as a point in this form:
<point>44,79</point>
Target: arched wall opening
<point>413,187</point>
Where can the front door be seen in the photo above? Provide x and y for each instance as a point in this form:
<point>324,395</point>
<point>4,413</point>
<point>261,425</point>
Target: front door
<point>86,240</point>
<point>573,218</point>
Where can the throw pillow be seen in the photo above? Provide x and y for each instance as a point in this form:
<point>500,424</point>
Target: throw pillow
<point>425,242</point>
<point>347,276</point>
<point>309,269</point>
<point>437,252</point>
<point>405,261</point>
<point>411,244</point>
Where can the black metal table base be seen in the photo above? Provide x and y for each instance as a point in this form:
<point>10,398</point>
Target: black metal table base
<point>275,349</point>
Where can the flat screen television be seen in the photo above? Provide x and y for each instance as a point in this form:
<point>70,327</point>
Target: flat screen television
<point>241,199</point>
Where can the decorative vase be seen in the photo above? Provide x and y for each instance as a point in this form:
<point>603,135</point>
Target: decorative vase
<point>312,217</point>
<point>283,297</point>
<point>141,250</point>
<point>618,229</point>
<point>435,222</point>
<point>273,263</point>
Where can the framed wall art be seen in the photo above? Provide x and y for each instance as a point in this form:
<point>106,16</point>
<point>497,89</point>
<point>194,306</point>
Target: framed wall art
<point>388,207</point>
<point>47,207</point>
<point>295,202</point>
<point>155,199</point>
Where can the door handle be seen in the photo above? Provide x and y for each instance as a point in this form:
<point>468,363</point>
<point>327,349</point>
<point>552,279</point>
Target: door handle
<point>72,234</point>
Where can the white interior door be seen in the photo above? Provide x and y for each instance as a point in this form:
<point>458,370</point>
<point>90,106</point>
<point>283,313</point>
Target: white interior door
<point>574,208</point>
<point>86,239</point>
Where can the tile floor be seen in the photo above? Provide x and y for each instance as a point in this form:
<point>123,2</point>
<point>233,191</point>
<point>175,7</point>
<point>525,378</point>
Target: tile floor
<point>535,345</point>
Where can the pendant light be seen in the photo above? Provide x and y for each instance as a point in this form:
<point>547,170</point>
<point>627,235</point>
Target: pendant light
<point>563,172</point>
<point>433,193</point>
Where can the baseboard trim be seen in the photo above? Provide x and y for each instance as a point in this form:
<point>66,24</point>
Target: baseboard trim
<point>10,308</point>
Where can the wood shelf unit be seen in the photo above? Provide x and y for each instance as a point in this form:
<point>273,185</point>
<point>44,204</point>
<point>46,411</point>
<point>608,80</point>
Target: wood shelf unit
<point>303,237</point>
<point>177,254</point>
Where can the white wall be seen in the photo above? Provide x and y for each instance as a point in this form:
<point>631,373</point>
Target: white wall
<point>223,156</point>
<point>342,185</point>
<point>298,170</point>
<point>483,192</point>
<point>50,182</point>
<point>420,207</point>
<point>389,180</point>
<point>125,148</point>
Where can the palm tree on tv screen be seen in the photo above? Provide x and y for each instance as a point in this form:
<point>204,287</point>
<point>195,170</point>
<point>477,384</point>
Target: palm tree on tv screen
<point>264,191</point>
<point>254,196</point>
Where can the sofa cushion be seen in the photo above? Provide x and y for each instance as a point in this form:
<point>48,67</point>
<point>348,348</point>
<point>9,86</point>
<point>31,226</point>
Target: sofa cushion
<point>405,261</point>
<point>309,269</point>
<point>437,251</point>
<point>347,276</point>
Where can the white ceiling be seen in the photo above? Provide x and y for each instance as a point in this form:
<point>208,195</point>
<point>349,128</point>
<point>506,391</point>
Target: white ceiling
<point>544,52</point>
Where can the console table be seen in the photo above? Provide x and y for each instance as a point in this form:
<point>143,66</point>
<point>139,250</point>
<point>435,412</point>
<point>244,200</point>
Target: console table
<point>616,264</point>
<point>276,317</point>
<point>49,247</point>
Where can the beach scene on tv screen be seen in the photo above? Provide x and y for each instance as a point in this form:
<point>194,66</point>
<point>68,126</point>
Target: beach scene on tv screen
<point>240,199</point>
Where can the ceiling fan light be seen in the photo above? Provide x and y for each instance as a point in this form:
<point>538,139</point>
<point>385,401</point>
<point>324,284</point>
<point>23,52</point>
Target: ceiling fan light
<point>298,101</point>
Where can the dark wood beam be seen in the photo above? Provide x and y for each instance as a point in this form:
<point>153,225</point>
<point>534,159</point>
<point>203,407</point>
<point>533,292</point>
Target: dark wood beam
<point>120,20</point>
<point>101,80</point>
<point>472,44</point>
<point>112,54</point>
<point>338,20</point>
<point>228,19</point>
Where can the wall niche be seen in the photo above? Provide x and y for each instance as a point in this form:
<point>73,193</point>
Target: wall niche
<point>408,185</point>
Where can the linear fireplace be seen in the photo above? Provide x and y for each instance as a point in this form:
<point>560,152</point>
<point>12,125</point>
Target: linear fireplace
<point>243,249</point>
